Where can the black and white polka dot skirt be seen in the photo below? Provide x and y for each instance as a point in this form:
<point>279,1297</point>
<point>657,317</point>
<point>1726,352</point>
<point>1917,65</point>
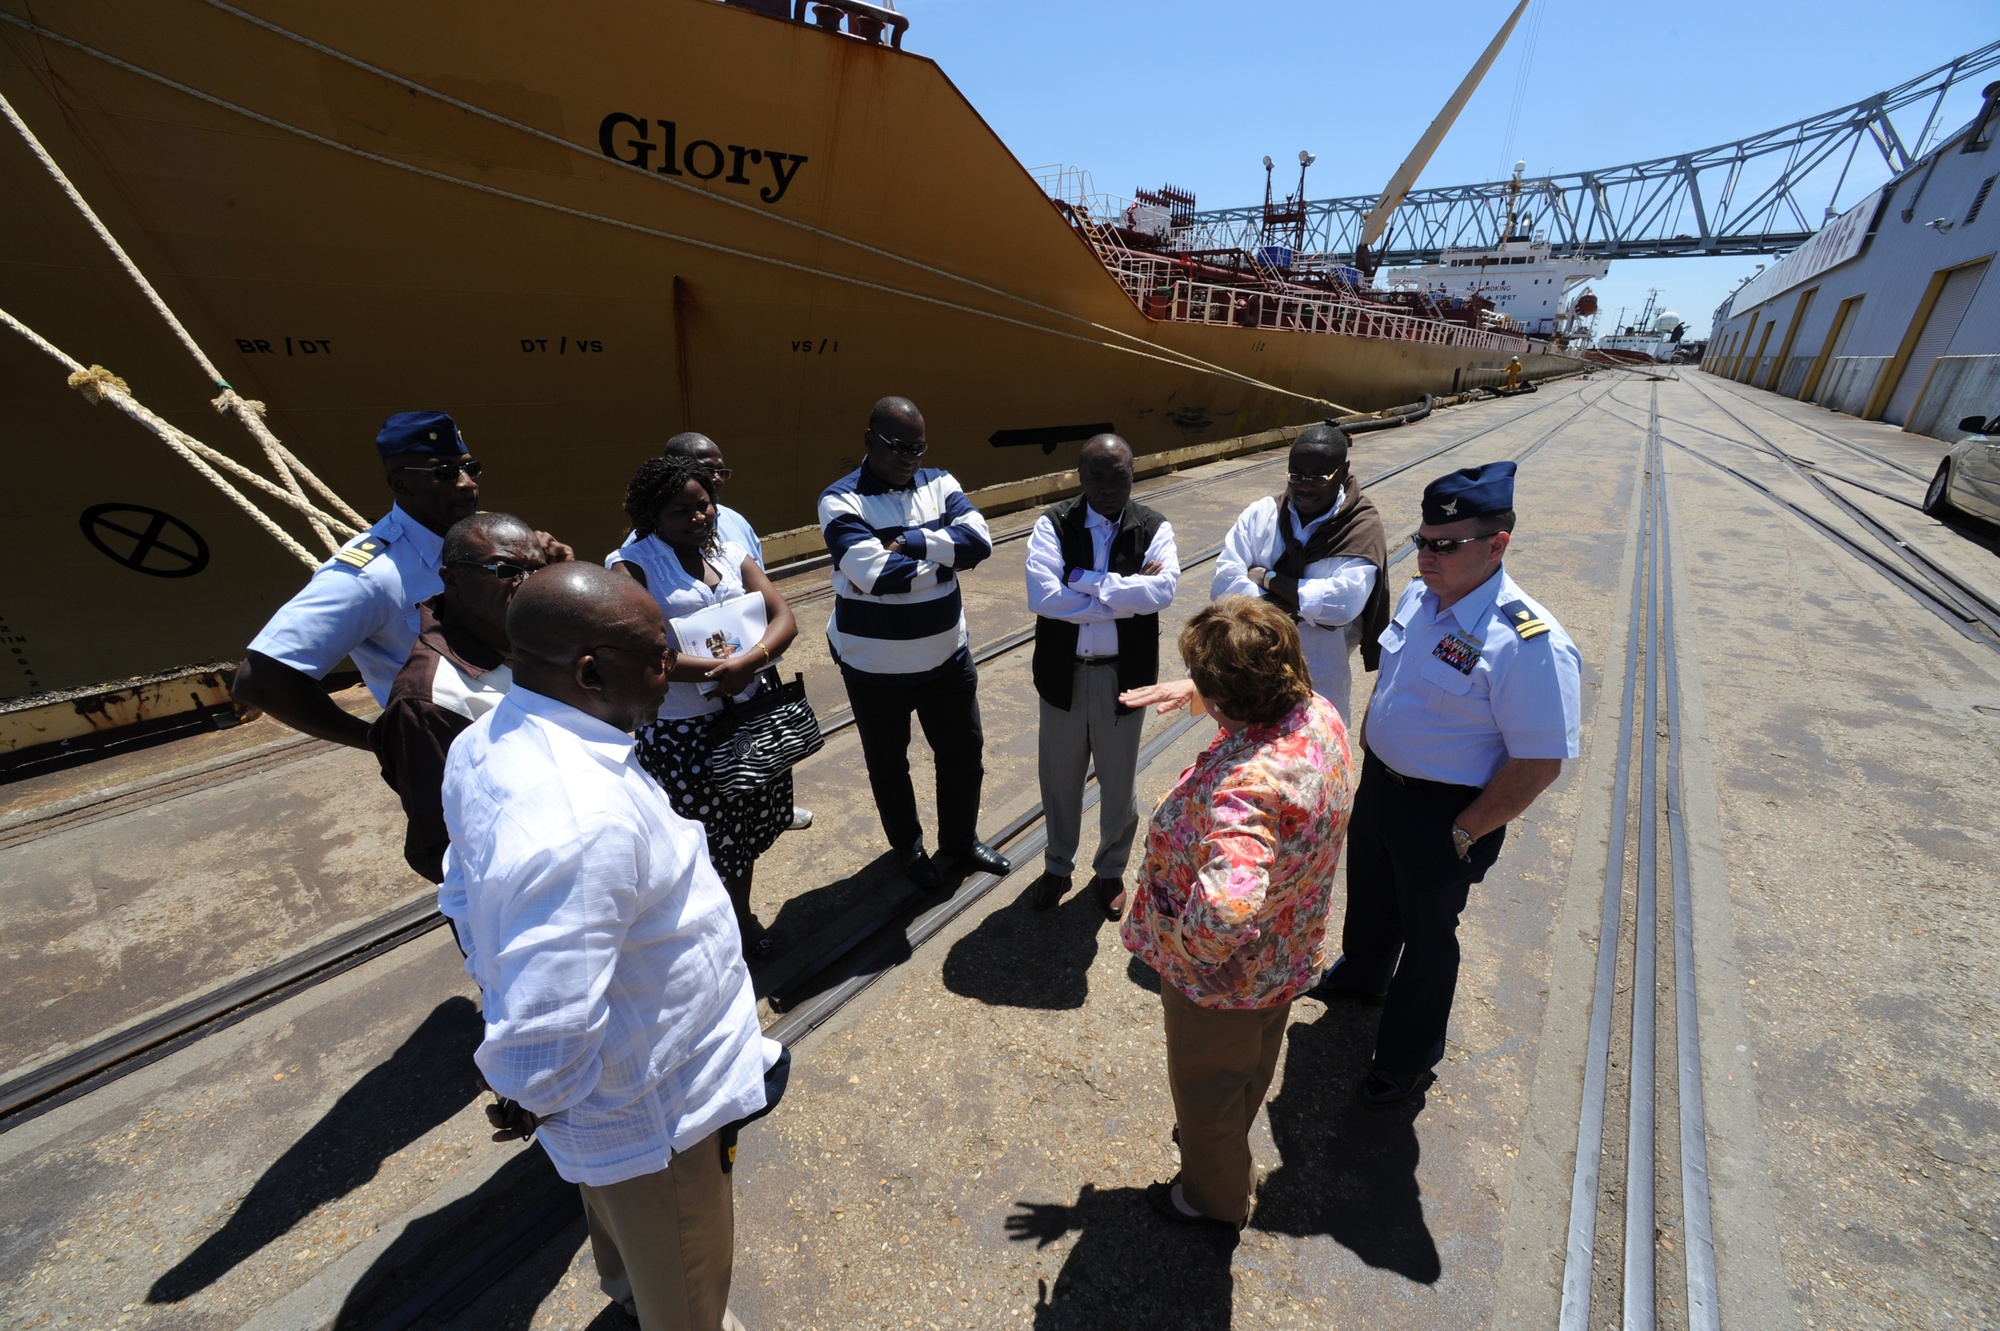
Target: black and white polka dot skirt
<point>741,825</point>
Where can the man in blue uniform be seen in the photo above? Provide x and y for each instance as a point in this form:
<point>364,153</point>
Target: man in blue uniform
<point>362,603</point>
<point>1475,708</point>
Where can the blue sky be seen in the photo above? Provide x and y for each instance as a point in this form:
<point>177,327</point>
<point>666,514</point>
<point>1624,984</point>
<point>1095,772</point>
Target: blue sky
<point>1197,93</point>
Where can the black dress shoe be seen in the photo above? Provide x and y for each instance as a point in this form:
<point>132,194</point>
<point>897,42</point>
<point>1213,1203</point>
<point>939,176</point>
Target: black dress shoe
<point>987,860</point>
<point>917,867</point>
<point>1383,1089</point>
<point>1048,890</point>
<point>1328,992</point>
<point>1108,890</point>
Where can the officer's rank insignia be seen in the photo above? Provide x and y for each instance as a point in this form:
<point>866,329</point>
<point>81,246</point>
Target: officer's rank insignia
<point>361,553</point>
<point>1527,624</point>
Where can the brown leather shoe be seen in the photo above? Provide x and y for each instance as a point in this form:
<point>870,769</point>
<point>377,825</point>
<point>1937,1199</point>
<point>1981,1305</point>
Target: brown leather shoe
<point>1108,890</point>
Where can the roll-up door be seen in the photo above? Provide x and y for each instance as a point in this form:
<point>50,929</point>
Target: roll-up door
<point>1938,332</point>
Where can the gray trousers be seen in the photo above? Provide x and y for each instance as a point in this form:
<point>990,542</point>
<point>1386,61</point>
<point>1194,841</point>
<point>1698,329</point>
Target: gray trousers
<point>1090,728</point>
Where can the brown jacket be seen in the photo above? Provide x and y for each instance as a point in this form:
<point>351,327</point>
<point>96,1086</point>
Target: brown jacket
<point>451,680</point>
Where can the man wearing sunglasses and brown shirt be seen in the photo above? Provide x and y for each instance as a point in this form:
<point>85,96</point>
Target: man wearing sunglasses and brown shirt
<point>459,670</point>
<point>362,603</point>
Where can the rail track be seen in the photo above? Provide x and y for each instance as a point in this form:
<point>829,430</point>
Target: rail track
<point>1966,608</point>
<point>1650,707</point>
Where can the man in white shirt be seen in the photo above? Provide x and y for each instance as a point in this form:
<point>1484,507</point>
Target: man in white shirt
<point>619,1014</point>
<point>1101,567</point>
<point>1317,551</point>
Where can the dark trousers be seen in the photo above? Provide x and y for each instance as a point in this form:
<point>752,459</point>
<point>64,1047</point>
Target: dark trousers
<point>1406,888</point>
<point>947,706</point>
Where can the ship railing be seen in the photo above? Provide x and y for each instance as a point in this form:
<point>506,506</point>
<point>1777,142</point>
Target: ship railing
<point>1207,303</point>
<point>864,20</point>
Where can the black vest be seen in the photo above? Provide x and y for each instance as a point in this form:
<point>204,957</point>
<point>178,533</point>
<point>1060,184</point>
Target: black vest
<point>1138,635</point>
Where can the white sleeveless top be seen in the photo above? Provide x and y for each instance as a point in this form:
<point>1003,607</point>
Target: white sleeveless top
<point>680,594</point>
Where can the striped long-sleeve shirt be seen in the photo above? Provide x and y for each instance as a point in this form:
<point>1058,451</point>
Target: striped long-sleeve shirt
<point>892,614</point>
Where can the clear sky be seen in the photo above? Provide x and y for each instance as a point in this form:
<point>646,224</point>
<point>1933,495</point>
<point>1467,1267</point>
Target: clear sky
<point>1197,93</point>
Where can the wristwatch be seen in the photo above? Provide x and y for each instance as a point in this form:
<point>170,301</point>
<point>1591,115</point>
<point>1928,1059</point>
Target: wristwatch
<point>1463,840</point>
<point>1265,581</point>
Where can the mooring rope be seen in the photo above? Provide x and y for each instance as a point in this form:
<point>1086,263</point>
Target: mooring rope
<point>282,460</point>
<point>98,384</point>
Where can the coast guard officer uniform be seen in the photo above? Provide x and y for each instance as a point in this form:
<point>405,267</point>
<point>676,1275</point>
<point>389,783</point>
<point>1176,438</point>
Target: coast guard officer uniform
<point>1462,691</point>
<point>362,603</point>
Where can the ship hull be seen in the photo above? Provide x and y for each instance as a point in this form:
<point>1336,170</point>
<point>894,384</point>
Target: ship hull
<point>344,244</point>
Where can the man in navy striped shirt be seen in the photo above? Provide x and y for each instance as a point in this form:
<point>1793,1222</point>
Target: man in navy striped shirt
<point>900,533</point>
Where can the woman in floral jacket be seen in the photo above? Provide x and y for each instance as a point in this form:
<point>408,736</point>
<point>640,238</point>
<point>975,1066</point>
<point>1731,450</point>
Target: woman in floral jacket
<point>1232,905</point>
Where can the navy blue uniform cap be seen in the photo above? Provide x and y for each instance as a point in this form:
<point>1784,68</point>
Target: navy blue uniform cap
<point>420,432</point>
<point>1470,492</point>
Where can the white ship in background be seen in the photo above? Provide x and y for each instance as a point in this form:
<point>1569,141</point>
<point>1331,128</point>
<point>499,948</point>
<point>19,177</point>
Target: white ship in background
<point>1655,337</point>
<point>1532,290</point>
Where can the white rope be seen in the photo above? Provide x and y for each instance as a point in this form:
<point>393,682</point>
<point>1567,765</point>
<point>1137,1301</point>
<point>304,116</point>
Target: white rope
<point>1166,356</point>
<point>98,384</point>
<point>250,413</point>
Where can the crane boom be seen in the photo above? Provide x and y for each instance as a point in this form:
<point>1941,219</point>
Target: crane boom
<point>1413,165</point>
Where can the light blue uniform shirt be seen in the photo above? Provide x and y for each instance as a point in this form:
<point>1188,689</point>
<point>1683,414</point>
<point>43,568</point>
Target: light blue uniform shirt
<point>361,603</point>
<point>733,527</point>
<point>1461,692</point>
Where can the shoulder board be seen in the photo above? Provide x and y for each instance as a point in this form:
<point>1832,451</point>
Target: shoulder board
<point>362,552</point>
<point>1522,619</point>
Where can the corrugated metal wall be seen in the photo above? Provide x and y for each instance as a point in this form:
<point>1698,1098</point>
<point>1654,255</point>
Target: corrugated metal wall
<point>1904,265</point>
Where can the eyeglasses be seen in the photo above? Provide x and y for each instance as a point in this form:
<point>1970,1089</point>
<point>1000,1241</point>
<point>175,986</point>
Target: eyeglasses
<point>722,473</point>
<point>499,568</point>
<point>1314,478</point>
<point>907,448</point>
<point>448,471</point>
<point>1445,545</point>
<point>665,654</point>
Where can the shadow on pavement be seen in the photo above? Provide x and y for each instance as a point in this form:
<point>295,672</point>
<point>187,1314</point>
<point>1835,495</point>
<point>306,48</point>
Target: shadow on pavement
<point>521,1227</point>
<point>427,1080</point>
<point>1345,1171</point>
<point>1130,1268</point>
<point>1022,957</point>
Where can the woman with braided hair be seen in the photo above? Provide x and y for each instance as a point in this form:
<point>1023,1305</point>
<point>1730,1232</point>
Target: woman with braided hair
<point>675,553</point>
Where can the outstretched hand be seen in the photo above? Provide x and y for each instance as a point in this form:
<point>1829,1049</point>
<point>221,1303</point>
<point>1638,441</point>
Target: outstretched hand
<point>1170,696</point>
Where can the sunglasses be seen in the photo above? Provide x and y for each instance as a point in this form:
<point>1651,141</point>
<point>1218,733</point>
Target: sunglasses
<point>499,568</point>
<point>1315,478</point>
<point>1445,545</point>
<point>905,448</point>
<point>721,473</point>
<point>448,471</point>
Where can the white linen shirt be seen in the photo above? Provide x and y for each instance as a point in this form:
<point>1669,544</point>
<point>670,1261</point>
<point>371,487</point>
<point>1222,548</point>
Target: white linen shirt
<point>1332,592</point>
<point>617,1004</point>
<point>1095,599</point>
<point>1461,691</point>
<point>360,604</point>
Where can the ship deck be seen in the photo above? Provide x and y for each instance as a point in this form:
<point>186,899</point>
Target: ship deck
<point>979,1096</point>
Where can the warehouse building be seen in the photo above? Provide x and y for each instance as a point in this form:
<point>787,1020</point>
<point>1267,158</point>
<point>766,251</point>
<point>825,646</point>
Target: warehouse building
<point>1888,313</point>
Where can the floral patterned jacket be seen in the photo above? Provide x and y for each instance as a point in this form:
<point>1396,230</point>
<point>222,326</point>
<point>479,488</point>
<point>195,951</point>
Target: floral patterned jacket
<point>1232,904</point>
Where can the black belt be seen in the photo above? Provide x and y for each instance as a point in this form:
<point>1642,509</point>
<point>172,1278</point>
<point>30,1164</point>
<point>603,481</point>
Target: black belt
<point>1417,782</point>
<point>1096,660</point>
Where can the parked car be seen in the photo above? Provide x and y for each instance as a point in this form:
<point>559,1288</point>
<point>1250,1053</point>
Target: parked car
<point>1968,476</point>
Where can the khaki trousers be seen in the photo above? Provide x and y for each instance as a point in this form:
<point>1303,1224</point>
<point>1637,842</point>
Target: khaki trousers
<point>665,1242</point>
<point>1219,1065</point>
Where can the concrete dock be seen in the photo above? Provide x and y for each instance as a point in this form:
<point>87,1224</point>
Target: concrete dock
<point>966,1142</point>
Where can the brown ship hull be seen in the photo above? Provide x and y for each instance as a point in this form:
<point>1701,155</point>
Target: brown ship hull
<point>834,222</point>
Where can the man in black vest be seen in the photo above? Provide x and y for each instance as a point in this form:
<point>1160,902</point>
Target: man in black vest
<point>1101,567</point>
